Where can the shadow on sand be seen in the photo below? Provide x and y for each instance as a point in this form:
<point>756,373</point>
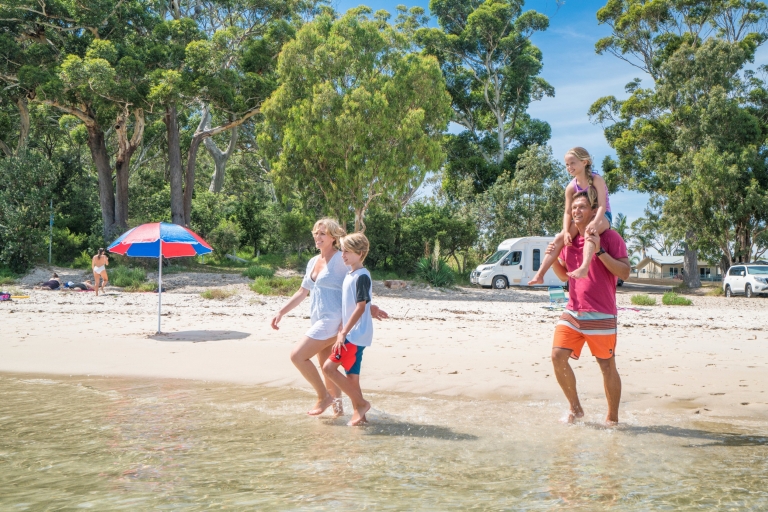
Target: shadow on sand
<point>200,336</point>
<point>388,427</point>
<point>714,438</point>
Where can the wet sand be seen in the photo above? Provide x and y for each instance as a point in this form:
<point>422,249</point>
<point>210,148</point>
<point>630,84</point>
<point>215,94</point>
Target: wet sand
<point>708,360</point>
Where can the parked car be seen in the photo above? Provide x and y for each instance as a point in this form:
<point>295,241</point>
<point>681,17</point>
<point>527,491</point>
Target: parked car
<point>747,279</point>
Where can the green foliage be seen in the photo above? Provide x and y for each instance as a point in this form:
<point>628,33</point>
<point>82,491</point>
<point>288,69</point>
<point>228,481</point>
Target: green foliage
<point>26,187</point>
<point>716,292</point>
<point>218,293</point>
<point>296,230</point>
<point>225,238</point>
<point>282,286</point>
<point>356,117</point>
<point>6,276</point>
<point>258,271</point>
<point>673,299</point>
<point>643,300</point>
<point>126,277</point>
<point>67,245</point>
<point>435,270</point>
<point>83,261</point>
<point>208,212</point>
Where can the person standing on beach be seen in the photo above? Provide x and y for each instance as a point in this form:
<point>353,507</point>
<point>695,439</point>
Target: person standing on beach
<point>324,278</point>
<point>99,264</point>
<point>357,331</point>
<point>590,316</point>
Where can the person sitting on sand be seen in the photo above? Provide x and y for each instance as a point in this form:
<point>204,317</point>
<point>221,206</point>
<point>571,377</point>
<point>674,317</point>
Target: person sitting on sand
<point>52,284</point>
<point>99,264</point>
<point>590,315</point>
<point>85,286</point>
<point>324,278</point>
<point>357,333</point>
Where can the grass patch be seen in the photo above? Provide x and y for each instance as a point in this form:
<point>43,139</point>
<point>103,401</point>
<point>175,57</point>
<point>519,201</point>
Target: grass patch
<point>259,271</point>
<point>132,279</point>
<point>673,299</point>
<point>276,285</point>
<point>6,280</point>
<point>643,300</point>
<point>715,292</point>
<point>218,293</point>
<point>383,275</point>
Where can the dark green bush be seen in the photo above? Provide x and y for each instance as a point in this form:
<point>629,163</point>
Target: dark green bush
<point>258,271</point>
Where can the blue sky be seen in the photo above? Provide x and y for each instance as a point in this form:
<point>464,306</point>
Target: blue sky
<point>579,77</point>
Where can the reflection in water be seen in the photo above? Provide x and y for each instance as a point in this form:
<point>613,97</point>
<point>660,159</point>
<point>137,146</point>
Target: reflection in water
<point>113,444</point>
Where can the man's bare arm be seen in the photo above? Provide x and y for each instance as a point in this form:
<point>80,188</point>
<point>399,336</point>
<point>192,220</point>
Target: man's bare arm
<point>619,267</point>
<point>559,270</point>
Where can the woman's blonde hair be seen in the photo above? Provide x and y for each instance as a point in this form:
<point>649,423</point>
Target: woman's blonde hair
<point>356,243</point>
<point>332,228</point>
<point>583,155</point>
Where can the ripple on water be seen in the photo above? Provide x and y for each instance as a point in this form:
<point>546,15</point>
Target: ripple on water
<point>131,444</point>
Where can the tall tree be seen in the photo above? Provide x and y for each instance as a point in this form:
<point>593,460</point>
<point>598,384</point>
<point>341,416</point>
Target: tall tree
<point>492,69</point>
<point>696,135</point>
<point>357,117</point>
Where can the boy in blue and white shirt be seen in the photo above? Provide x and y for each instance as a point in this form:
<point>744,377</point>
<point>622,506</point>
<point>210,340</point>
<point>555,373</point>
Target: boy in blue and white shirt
<point>357,325</point>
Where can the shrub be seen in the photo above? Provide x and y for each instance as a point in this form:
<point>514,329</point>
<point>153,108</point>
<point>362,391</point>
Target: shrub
<point>225,238</point>
<point>276,285</point>
<point>435,270</point>
<point>6,276</point>
<point>716,292</point>
<point>218,293</point>
<point>149,286</point>
<point>68,245</point>
<point>673,299</point>
<point>125,277</point>
<point>258,271</point>
<point>296,261</point>
<point>643,300</point>
<point>82,261</point>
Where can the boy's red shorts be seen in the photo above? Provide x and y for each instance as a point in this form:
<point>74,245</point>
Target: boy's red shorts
<point>350,357</point>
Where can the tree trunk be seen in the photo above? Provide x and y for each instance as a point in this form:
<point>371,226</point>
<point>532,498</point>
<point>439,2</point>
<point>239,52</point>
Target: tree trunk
<point>690,263</point>
<point>125,149</point>
<point>25,124</point>
<point>174,165</point>
<point>219,158</point>
<point>359,223</point>
<point>98,148</point>
<point>189,185</point>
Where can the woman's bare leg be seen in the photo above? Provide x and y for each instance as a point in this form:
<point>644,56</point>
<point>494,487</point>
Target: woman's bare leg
<point>549,259</point>
<point>96,278</point>
<point>333,389</point>
<point>301,356</point>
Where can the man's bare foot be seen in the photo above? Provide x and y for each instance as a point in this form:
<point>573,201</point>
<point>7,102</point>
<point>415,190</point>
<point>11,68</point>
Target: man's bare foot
<point>338,407</point>
<point>579,273</point>
<point>572,415</point>
<point>609,422</point>
<point>321,406</point>
<point>358,418</point>
<point>537,279</point>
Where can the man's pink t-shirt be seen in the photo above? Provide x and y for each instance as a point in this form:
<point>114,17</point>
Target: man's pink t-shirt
<point>596,292</point>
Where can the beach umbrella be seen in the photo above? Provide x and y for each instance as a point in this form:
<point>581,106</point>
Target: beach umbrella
<point>159,240</point>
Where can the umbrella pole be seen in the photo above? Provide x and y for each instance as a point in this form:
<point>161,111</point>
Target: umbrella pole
<point>159,286</point>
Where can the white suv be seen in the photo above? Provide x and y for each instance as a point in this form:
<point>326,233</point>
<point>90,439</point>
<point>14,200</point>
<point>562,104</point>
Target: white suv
<point>746,279</point>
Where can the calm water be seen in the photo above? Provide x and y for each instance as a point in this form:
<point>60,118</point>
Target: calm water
<point>112,444</point>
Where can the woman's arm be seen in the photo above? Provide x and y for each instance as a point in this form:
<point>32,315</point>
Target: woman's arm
<point>294,301</point>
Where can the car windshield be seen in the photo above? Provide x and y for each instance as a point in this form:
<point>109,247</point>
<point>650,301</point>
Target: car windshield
<point>495,258</point>
<point>758,271</point>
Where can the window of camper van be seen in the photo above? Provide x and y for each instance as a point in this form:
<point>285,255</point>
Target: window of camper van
<point>514,258</point>
<point>536,259</point>
<point>495,258</point>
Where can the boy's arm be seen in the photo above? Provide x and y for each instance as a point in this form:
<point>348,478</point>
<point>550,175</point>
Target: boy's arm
<point>356,315</point>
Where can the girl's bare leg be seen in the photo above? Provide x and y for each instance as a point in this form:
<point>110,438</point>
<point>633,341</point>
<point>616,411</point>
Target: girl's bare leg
<point>301,356</point>
<point>589,251</point>
<point>549,259</point>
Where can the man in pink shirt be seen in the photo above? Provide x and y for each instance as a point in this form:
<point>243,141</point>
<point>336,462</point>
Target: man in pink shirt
<point>590,316</point>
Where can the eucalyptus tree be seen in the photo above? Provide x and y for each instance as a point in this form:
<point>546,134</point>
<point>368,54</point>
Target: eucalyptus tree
<point>87,62</point>
<point>357,117</point>
<point>695,136</point>
<point>491,68</point>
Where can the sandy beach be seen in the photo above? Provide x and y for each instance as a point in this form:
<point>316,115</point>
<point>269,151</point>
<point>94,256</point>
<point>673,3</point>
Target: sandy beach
<point>709,359</point>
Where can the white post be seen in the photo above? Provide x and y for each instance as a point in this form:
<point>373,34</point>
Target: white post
<point>159,285</point>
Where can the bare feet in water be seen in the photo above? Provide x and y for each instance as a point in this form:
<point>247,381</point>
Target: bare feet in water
<point>321,406</point>
<point>338,407</point>
<point>573,415</point>
<point>609,422</point>
<point>579,273</point>
<point>358,418</point>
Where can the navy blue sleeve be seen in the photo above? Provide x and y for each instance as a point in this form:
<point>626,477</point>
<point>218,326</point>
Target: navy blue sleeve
<point>363,289</point>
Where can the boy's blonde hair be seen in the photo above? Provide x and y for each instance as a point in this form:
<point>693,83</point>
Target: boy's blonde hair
<point>583,155</point>
<point>332,228</point>
<point>356,243</point>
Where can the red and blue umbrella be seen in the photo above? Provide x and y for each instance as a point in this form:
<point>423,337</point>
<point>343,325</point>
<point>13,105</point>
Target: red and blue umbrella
<point>158,239</point>
<point>145,241</point>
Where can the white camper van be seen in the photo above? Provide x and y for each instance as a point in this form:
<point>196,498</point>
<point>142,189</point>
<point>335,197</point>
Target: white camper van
<point>514,263</point>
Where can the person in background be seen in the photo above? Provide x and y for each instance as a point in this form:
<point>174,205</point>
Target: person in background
<point>99,264</point>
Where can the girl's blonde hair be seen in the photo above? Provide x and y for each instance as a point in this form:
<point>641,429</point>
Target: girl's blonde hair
<point>583,155</point>
<point>332,228</point>
<point>356,243</point>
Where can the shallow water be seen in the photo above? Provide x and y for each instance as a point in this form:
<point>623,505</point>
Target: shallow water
<point>112,444</point>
